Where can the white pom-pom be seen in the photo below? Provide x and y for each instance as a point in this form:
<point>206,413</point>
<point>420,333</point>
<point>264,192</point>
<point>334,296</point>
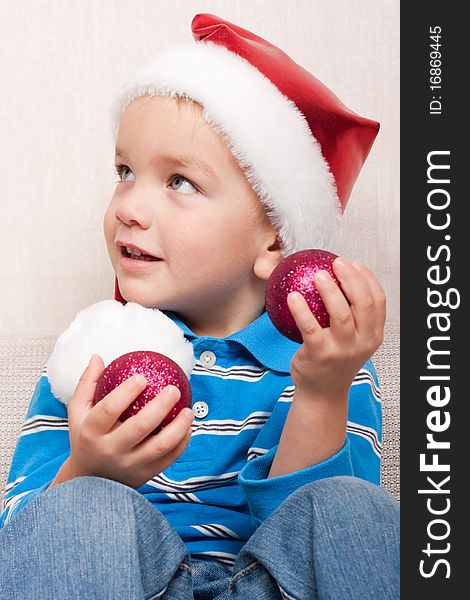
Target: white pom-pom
<point>111,329</point>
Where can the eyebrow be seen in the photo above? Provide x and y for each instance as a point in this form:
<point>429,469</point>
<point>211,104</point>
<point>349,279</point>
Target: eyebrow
<point>181,160</point>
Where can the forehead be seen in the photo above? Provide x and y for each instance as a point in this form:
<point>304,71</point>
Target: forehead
<point>170,129</point>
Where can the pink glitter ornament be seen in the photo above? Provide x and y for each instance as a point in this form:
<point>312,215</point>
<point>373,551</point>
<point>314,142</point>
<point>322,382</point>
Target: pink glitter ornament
<point>159,371</point>
<point>295,274</point>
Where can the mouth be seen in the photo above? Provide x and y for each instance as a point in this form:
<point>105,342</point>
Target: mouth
<point>137,254</point>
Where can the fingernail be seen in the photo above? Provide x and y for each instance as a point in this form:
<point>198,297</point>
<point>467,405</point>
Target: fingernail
<point>172,391</point>
<point>322,275</point>
<point>356,264</point>
<point>341,262</point>
<point>140,379</point>
<point>294,297</point>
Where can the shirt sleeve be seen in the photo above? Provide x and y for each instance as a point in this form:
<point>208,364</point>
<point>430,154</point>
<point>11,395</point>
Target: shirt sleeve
<point>41,449</point>
<point>359,456</point>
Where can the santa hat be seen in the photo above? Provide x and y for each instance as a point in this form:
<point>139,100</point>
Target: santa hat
<point>300,147</point>
<point>110,329</point>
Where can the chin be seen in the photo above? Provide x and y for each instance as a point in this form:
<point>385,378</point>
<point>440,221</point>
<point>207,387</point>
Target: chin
<point>132,294</point>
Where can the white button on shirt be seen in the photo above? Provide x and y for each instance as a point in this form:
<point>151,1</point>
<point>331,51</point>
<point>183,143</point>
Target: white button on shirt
<point>207,358</point>
<point>200,410</point>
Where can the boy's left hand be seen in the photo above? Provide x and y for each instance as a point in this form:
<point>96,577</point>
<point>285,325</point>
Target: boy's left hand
<point>329,358</point>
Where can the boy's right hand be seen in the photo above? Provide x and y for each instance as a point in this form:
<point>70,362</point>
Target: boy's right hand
<point>103,446</point>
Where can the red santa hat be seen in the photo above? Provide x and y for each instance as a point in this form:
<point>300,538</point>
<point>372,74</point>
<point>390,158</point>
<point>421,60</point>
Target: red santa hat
<point>300,147</point>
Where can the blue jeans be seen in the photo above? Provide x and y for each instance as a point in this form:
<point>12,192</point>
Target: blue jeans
<point>92,538</point>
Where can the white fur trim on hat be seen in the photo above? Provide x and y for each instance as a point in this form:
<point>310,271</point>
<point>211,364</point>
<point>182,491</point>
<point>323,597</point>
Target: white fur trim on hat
<point>265,131</point>
<point>111,329</point>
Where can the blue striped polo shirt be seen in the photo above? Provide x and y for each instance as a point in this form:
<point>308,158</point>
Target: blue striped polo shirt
<point>217,492</point>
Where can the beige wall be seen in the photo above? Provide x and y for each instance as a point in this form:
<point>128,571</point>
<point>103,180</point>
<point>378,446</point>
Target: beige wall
<point>60,65</point>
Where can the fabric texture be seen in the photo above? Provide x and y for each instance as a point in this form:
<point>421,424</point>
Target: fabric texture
<point>335,539</point>
<point>218,491</point>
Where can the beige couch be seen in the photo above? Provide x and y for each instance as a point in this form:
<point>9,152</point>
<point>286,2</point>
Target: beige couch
<point>21,361</point>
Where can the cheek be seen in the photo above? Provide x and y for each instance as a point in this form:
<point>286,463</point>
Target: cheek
<point>107,223</point>
<point>209,240</point>
<point>109,226</point>
<point>220,248</point>
<point>188,237</point>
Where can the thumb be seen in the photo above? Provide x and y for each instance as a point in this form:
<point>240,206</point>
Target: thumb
<point>82,398</point>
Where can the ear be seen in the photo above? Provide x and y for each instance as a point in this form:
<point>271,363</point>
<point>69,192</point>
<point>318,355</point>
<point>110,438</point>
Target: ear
<point>269,257</point>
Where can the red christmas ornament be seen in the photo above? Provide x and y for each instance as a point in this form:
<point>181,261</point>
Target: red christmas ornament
<point>295,274</point>
<point>159,371</point>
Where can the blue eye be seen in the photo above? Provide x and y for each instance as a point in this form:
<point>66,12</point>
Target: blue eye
<point>180,179</point>
<point>120,170</point>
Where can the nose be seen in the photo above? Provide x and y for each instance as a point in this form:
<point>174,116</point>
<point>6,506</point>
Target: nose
<point>134,207</point>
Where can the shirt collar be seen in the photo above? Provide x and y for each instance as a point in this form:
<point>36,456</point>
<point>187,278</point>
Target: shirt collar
<point>267,345</point>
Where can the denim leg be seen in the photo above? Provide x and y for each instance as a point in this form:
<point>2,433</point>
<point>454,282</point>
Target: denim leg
<point>337,538</point>
<point>90,538</point>
<point>210,580</point>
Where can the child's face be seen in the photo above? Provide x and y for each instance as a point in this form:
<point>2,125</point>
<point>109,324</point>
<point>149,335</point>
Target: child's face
<point>215,244</point>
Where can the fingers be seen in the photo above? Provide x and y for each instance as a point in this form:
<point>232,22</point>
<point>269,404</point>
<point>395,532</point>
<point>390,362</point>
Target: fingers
<point>160,464</point>
<point>105,413</point>
<point>135,429</point>
<point>364,314</point>
<point>341,318</point>
<point>169,443</point>
<point>378,295</point>
<point>356,287</point>
<point>303,316</point>
<point>85,390</point>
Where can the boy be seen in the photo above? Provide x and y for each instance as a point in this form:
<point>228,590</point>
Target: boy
<point>220,176</point>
